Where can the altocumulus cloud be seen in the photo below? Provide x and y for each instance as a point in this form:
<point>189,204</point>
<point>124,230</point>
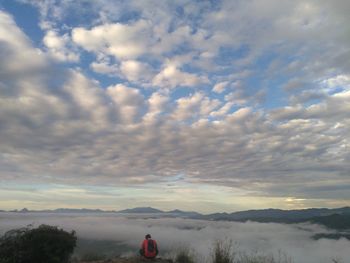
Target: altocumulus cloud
<point>64,123</point>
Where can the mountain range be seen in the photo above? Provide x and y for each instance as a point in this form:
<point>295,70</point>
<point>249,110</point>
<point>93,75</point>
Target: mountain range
<point>335,218</point>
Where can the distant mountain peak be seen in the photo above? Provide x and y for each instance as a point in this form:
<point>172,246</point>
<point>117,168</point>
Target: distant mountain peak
<point>141,210</point>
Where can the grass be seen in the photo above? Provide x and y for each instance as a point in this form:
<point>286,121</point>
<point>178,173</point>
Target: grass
<point>262,259</point>
<point>184,256</point>
<point>92,256</point>
<point>223,252</point>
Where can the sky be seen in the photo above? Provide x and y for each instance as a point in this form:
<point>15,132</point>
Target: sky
<point>197,105</point>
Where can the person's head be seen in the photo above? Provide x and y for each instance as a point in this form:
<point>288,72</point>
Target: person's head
<point>147,236</point>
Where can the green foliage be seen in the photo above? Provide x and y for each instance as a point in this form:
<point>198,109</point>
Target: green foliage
<point>45,244</point>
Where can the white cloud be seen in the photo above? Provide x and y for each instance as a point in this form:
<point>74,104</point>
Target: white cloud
<point>221,112</point>
<point>128,101</point>
<point>172,77</point>
<point>294,85</point>
<point>336,107</point>
<point>239,115</point>
<point>16,50</point>
<point>157,104</point>
<point>119,40</point>
<point>88,99</point>
<point>339,81</point>
<point>104,67</point>
<point>136,71</point>
<point>236,97</point>
<point>168,41</point>
<point>194,107</point>
<point>97,135</point>
<point>220,87</point>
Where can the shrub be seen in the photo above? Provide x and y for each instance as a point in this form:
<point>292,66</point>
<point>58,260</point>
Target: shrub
<point>45,244</point>
<point>223,252</point>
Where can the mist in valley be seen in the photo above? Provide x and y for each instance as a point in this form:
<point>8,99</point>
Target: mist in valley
<point>115,234</point>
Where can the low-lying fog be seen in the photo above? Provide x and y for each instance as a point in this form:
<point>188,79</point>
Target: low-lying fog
<point>172,233</point>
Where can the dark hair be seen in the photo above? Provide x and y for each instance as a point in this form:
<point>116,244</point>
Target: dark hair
<point>148,236</point>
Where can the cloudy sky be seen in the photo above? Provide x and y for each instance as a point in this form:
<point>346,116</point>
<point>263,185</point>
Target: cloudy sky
<point>198,105</point>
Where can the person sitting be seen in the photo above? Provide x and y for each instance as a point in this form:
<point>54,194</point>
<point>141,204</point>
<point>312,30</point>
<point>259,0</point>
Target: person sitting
<point>149,248</point>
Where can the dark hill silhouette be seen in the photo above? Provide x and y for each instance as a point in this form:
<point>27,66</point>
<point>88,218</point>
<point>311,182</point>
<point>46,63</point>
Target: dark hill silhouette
<point>278,215</point>
<point>336,218</point>
<point>141,210</point>
<point>335,221</point>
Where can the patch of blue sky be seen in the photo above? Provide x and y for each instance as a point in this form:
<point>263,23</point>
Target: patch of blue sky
<point>179,11</point>
<point>190,18</point>
<point>273,85</point>
<point>235,108</point>
<point>195,67</point>
<point>181,92</point>
<point>205,6</point>
<point>176,178</point>
<point>86,58</point>
<point>311,102</point>
<point>266,58</point>
<point>336,89</point>
<point>26,17</point>
<point>122,11</point>
<point>180,49</point>
<point>227,56</point>
<point>103,79</point>
<point>81,189</point>
<point>84,14</point>
<point>153,61</point>
<point>78,14</point>
<point>128,17</point>
<point>32,187</point>
<point>275,96</point>
<point>177,20</point>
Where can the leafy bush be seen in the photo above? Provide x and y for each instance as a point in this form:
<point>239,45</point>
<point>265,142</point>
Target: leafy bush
<point>45,244</point>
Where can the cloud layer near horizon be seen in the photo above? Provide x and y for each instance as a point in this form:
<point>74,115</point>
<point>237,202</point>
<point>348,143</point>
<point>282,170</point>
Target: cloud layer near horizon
<point>294,240</point>
<point>246,95</point>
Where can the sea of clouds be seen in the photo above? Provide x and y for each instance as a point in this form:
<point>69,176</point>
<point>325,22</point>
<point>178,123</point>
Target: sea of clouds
<point>295,240</point>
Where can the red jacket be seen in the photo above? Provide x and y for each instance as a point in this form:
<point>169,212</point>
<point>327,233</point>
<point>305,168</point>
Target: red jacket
<point>146,246</point>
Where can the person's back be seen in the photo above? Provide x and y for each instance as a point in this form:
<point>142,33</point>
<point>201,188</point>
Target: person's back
<point>149,248</point>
